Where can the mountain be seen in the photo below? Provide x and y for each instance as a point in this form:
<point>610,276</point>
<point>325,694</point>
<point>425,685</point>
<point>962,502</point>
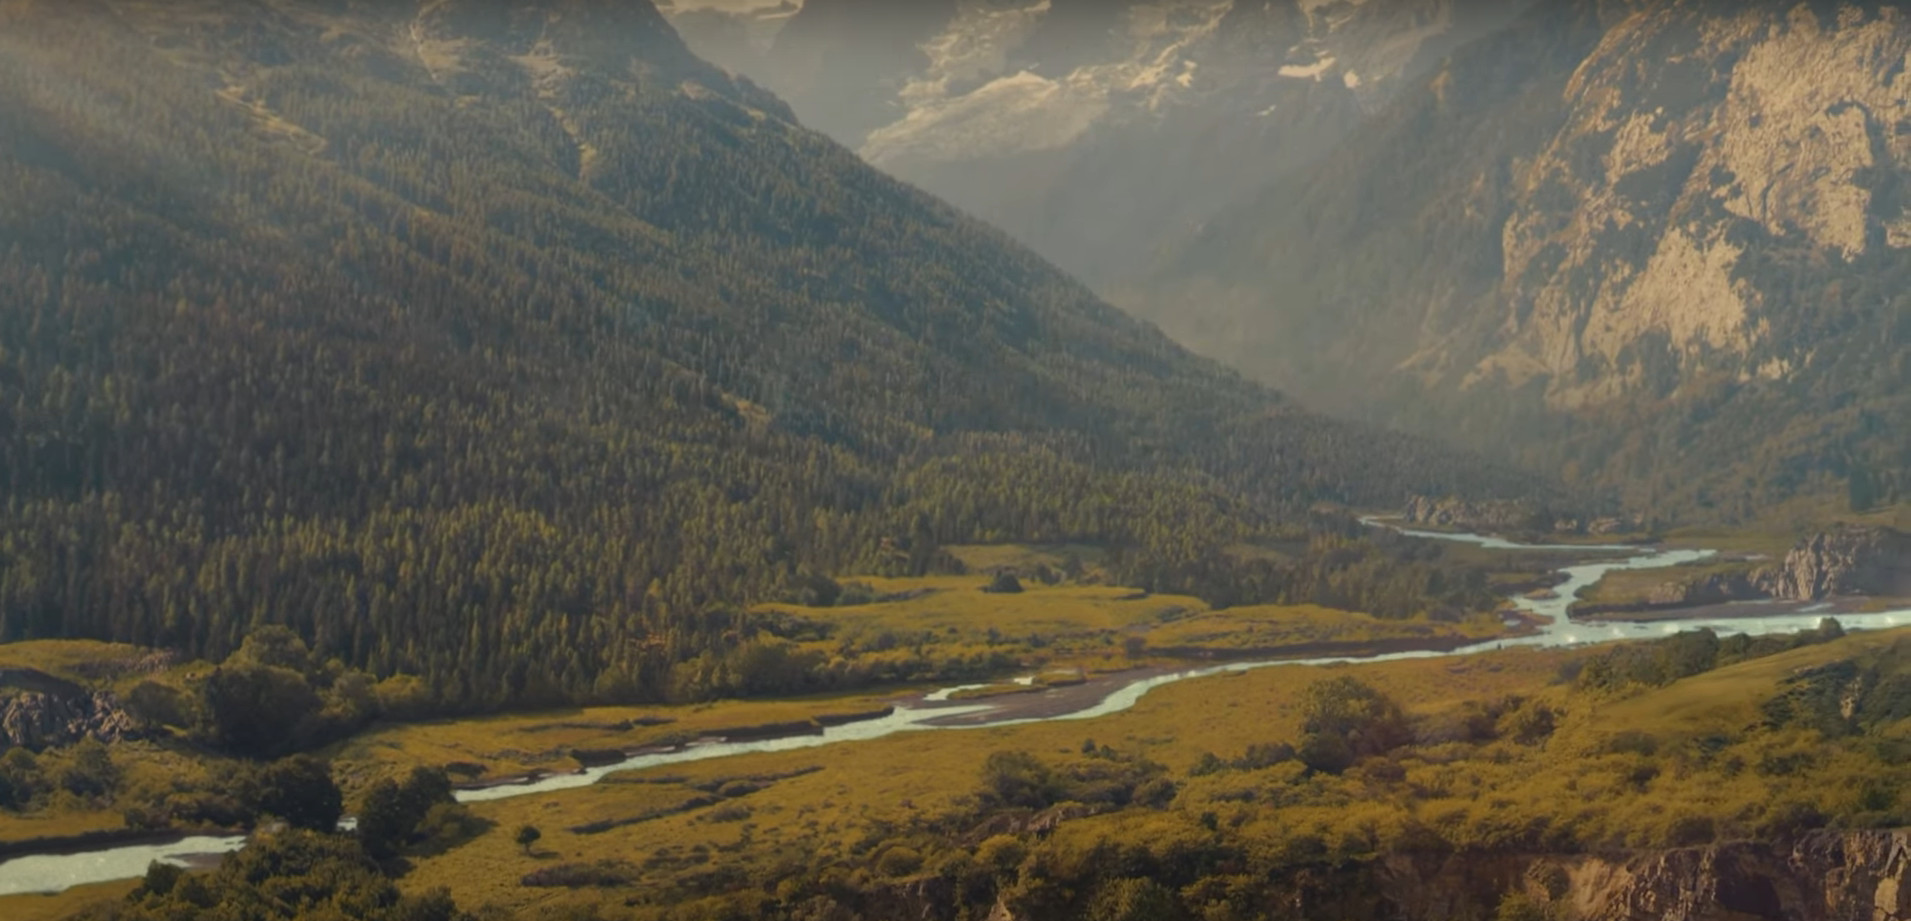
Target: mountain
<point>1659,244</point>
<point>1094,130</point>
<point>511,345</point>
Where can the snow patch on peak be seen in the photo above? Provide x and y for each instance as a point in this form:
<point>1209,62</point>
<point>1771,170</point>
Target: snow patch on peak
<point>968,102</point>
<point>1309,71</point>
<point>1020,113</point>
<point>975,46</point>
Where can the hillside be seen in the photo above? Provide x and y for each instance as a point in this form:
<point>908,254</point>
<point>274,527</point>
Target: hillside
<point>1657,245</point>
<point>516,347</point>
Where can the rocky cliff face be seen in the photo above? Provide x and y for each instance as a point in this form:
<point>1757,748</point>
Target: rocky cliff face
<point>38,710</point>
<point>1501,516</point>
<point>1821,876</point>
<point>1453,512</point>
<point>1659,242</point>
<point>1824,876</point>
<point>1692,136</point>
<point>1714,588</point>
<point>1845,561</point>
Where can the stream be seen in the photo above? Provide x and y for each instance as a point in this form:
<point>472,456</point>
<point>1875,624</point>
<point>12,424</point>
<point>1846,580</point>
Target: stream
<point>57,872</point>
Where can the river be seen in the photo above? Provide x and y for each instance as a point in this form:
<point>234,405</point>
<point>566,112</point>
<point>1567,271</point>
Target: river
<point>56,872</point>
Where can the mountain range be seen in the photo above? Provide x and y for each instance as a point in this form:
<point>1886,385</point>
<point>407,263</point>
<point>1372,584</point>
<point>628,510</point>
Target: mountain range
<point>1658,245</point>
<point>1652,245</point>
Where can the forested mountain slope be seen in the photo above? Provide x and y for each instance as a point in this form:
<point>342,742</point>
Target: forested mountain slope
<point>1660,244</point>
<point>509,344</point>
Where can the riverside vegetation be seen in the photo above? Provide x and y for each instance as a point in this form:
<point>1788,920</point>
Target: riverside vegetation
<point>197,728</point>
<point>1267,794</point>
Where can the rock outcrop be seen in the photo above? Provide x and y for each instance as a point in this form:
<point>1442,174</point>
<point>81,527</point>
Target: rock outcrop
<point>1691,591</point>
<point>56,713</point>
<point>1627,239</point>
<point>1820,876</point>
<point>1490,515</point>
<point>1846,560</point>
<point>1824,876</point>
<point>1712,588</point>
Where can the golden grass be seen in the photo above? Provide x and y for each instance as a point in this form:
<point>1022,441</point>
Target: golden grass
<point>1088,626</point>
<point>88,662</point>
<point>57,823</point>
<point>1729,697</point>
<point>1481,794</point>
<point>512,744</point>
<point>1478,794</point>
<point>910,776</point>
<point>874,787</point>
<point>959,602</point>
<point>53,906</point>
<point>1023,557</point>
<point>1766,542</point>
<point>1269,626</point>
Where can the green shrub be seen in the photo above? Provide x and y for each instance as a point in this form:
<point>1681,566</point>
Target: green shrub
<point>1134,900</point>
<point>1001,854</point>
<point>1516,906</point>
<point>1631,742</point>
<point>1328,753</point>
<point>1691,830</point>
<point>899,860</point>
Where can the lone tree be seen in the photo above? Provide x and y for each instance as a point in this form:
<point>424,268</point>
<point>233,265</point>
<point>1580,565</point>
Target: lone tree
<point>528,836</point>
<point>301,791</point>
<point>1005,583</point>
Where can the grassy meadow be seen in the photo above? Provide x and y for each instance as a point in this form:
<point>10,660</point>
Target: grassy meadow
<point>1087,626</point>
<point>1685,763</point>
<point>854,794</point>
<point>918,632</point>
<point>1507,751</point>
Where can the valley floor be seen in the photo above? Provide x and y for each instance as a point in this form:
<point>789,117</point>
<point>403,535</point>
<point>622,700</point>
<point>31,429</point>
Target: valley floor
<point>1617,749</point>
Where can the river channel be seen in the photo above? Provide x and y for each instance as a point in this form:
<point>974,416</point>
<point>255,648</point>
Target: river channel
<point>935,711</point>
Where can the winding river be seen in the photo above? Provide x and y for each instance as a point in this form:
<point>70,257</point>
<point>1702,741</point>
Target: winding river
<point>56,872</point>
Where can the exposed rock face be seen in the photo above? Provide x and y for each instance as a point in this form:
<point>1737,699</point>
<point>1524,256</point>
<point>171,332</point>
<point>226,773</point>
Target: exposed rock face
<point>1845,561</point>
<point>38,710</point>
<point>1714,588</point>
<point>1627,237</point>
<point>1822,876</point>
<point>1825,876</point>
<point>1673,594</point>
<point>1764,120</point>
<point>1490,515</point>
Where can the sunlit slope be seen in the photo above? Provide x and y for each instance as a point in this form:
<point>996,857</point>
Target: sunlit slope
<point>506,343</point>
